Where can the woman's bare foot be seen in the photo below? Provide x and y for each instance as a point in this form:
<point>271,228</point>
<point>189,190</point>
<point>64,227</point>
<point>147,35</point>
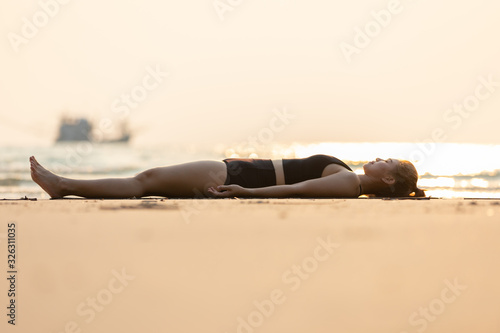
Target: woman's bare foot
<point>51,183</point>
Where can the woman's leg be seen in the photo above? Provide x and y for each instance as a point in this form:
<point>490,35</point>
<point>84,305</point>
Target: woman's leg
<point>182,180</point>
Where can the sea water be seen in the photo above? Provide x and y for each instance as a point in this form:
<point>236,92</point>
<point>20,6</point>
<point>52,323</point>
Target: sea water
<point>446,170</point>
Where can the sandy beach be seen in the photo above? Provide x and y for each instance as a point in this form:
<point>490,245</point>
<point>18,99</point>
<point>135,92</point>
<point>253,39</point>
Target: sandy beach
<point>253,265</point>
<point>122,99</point>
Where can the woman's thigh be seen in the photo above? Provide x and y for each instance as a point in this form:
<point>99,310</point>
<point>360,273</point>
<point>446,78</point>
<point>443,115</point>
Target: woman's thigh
<point>190,179</point>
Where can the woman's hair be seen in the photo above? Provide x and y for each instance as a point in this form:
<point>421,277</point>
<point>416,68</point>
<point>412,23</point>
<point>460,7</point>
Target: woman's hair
<point>405,184</point>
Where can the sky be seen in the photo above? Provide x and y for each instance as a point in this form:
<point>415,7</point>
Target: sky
<point>208,72</point>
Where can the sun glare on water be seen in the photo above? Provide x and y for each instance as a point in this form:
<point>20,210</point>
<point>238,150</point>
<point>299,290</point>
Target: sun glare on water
<point>444,159</point>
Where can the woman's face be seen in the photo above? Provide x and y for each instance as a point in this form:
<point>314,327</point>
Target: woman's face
<point>381,167</point>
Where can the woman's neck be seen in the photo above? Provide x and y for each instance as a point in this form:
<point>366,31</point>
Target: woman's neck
<point>368,185</point>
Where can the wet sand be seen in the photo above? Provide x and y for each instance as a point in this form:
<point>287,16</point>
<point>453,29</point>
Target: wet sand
<point>253,265</point>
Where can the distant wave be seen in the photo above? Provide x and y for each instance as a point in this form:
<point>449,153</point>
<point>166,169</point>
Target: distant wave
<point>357,165</point>
<point>9,181</point>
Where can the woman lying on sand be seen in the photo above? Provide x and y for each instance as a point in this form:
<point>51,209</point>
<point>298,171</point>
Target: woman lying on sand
<point>312,177</point>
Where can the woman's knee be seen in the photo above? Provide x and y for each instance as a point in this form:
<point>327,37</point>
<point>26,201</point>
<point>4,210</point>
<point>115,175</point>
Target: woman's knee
<point>145,178</point>
<point>144,175</point>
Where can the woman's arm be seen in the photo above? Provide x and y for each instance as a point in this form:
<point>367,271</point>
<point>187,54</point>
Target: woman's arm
<point>341,184</point>
<point>276,191</point>
<point>233,190</point>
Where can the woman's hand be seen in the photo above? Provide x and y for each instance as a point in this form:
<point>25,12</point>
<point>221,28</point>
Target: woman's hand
<point>227,191</point>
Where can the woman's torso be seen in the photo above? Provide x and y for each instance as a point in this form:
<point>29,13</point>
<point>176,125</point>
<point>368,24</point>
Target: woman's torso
<point>330,168</point>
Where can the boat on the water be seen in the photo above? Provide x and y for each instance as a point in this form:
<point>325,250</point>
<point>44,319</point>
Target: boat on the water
<point>81,129</point>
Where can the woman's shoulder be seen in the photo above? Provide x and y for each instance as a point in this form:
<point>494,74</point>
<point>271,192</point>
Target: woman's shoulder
<point>353,180</point>
<point>350,180</point>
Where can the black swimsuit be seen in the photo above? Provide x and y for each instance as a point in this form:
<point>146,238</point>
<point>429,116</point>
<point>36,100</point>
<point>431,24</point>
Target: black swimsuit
<point>253,173</point>
<point>299,169</point>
